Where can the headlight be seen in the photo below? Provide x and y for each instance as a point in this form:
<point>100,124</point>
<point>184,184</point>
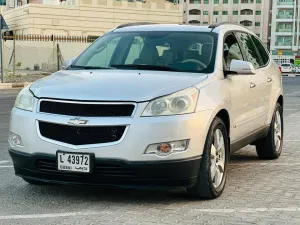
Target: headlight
<point>181,102</point>
<point>25,100</point>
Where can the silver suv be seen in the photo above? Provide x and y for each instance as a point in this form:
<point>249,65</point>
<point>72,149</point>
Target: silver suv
<point>151,106</point>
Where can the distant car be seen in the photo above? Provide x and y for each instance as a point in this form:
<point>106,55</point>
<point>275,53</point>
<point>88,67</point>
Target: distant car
<point>297,69</point>
<point>288,68</point>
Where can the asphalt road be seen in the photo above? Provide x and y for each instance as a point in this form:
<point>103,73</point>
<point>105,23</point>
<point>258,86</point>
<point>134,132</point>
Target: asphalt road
<point>257,191</point>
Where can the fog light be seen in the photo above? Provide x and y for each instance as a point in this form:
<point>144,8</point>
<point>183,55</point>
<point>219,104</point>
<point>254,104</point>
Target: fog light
<point>15,140</point>
<point>167,147</point>
<point>164,148</point>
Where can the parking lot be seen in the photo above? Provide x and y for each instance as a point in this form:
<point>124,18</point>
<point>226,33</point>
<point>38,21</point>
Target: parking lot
<point>257,191</point>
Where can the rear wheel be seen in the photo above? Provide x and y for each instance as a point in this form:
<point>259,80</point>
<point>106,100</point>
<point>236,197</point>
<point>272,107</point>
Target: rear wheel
<point>213,169</point>
<point>271,146</point>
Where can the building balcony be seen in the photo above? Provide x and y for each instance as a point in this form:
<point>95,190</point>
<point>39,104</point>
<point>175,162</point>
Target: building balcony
<point>281,47</point>
<point>283,44</point>
<point>284,30</point>
<point>284,16</point>
<point>285,5</point>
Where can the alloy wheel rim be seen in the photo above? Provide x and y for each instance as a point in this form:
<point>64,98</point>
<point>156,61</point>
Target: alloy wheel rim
<point>217,158</point>
<point>277,131</point>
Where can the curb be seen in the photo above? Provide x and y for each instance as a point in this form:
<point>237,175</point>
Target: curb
<point>290,75</point>
<point>13,85</point>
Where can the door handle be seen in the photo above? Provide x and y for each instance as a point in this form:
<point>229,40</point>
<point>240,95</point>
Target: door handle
<point>269,79</point>
<point>252,85</point>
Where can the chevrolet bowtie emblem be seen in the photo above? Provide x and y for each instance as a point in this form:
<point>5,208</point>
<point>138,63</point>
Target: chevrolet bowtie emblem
<point>77,121</point>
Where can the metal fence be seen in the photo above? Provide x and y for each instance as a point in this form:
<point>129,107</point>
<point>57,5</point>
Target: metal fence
<point>32,56</point>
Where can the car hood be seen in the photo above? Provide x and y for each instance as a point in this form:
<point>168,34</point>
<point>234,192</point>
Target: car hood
<point>113,85</point>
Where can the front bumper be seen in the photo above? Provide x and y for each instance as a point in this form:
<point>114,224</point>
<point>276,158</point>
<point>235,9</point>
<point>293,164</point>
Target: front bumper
<point>112,172</point>
<point>141,132</point>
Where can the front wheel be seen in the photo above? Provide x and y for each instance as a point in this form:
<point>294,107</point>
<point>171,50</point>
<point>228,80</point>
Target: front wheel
<point>213,169</point>
<point>271,146</point>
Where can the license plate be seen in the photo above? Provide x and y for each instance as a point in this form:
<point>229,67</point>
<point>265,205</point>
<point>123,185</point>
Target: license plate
<point>74,162</point>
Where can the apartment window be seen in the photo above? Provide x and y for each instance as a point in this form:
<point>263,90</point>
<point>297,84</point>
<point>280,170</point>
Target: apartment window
<point>258,1</point>
<point>258,13</point>
<point>195,12</point>
<point>216,13</point>
<point>247,1</point>
<point>235,1</point>
<point>257,24</point>
<point>195,1</point>
<point>206,1</point>
<point>225,1</point>
<point>246,12</point>
<point>205,13</point>
<point>235,13</point>
<point>194,22</point>
<point>216,1</point>
<point>246,23</point>
<point>225,13</point>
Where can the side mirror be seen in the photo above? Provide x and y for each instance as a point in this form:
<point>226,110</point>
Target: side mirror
<point>241,67</point>
<point>67,63</point>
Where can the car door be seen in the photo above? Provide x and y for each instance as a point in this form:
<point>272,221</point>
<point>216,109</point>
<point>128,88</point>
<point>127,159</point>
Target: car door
<point>259,84</point>
<point>238,84</point>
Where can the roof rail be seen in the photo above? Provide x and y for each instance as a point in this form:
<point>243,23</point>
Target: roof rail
<point>133,24</point>
<point>215,25</point>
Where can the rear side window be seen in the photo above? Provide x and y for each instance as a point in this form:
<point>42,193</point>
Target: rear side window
<point>249,48</point>
<point>262,51</point>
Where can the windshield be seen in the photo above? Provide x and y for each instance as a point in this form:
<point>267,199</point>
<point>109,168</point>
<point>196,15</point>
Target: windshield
<point>155,50</point>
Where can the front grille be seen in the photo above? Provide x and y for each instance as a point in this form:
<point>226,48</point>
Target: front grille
<point>86,109</point>
<point>45,164</point>
<point>103,170</point>
<point>81,135</point>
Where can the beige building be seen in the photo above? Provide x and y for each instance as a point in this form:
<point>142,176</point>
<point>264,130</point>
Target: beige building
<point>253,14</point>
<point>87,17</point>
<point>73,18</point>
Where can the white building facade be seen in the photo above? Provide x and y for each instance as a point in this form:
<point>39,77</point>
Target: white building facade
<point>253,14</point>
<point>285,31</point>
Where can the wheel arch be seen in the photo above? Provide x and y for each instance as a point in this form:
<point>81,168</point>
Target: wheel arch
<point>224,116</point>
<point>280,100</point>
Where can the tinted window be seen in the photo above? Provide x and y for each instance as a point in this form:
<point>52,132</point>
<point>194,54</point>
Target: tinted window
<point>231,51</point>
<point>262,51</point>
<point>249,48</point>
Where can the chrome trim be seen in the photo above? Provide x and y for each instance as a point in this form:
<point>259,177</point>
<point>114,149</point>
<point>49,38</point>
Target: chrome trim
<point>76,147</point>
<point>87,103</point>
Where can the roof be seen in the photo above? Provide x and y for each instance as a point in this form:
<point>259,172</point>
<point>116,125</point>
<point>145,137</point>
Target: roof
<point>146,26</point>
<point>161,27</point>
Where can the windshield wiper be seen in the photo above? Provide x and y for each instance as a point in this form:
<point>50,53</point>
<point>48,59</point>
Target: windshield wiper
<point>89,67</point>
<point>145,67</point>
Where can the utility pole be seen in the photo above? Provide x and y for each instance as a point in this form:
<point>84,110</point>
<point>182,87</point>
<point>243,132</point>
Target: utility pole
<point>3,26</point>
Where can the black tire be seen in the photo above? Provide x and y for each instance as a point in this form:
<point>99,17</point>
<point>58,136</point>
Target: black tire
<point>33,182</point>
<point>204,187</point>
<point>266,148</point>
